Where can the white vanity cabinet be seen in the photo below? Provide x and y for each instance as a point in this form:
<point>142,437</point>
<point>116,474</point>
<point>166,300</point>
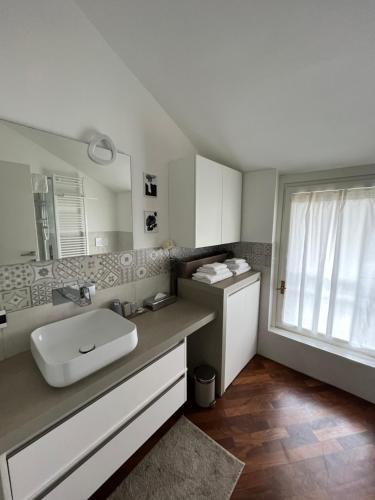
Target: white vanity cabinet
<point>204,202</point>
<point>73,459</point>
<point>230,341</point>
<point>240,329</point>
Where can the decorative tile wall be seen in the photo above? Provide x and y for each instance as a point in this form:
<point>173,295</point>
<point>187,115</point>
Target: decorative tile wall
<point>258,255</point>
<point>29,285</point>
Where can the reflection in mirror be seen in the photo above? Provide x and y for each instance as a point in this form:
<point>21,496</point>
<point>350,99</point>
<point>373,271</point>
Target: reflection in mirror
<point>55,202</point>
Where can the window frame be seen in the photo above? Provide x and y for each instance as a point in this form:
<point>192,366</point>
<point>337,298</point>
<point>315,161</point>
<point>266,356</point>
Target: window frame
<point>344,178</point>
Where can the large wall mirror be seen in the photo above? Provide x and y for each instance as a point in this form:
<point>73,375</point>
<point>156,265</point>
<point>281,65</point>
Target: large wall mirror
<point>55,202</point>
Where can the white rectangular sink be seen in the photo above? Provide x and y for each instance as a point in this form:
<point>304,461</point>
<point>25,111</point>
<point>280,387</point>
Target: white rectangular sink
<point>71,349</point>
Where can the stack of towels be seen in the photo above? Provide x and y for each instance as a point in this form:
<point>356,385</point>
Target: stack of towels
<point>212,273</point>
<point>237,266</point>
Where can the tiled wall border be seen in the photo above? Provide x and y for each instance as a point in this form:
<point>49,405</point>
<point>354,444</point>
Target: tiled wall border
<point>30,285</point>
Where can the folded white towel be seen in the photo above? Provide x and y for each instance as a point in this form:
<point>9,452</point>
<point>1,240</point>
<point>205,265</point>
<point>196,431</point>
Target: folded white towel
<point>237,272</point>
<point>215,265</point>
<point>211,279</point>
<point>234,261</point>
<point>213,272</point>
<point>238,267</point>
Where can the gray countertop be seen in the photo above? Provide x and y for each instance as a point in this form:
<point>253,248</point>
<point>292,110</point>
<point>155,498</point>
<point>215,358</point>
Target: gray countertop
<point>29,405</point>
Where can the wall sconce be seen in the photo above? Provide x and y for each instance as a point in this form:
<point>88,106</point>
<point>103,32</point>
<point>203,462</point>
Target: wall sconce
<point>104,142</point>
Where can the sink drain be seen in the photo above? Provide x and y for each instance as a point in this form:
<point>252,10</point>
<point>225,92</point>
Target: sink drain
<point>86,348</point>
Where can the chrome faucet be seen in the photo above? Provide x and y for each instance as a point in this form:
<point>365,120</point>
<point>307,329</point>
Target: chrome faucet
<point>78,294</point>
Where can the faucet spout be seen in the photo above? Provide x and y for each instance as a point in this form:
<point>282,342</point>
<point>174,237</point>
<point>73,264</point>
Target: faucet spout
<point>78,294</point>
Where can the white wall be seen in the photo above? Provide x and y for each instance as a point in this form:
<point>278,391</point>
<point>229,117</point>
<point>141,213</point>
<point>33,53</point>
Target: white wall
<point>100,206</point>
<point>58,74</point>
<point>124,211</point>
<point>258,199</point>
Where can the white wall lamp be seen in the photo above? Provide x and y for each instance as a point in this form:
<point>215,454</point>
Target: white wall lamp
<point>103,142</point>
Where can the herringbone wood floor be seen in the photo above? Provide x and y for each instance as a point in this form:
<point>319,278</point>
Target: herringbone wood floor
<point>299,438</point>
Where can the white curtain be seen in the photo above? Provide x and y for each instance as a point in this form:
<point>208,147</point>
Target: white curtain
<point>330,273</point>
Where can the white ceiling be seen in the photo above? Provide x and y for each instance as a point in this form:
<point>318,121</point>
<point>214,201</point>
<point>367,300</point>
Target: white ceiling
<point>255,83</point>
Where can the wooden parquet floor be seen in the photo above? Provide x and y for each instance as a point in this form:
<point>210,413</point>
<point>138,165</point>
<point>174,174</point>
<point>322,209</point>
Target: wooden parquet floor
<point>299,438</point>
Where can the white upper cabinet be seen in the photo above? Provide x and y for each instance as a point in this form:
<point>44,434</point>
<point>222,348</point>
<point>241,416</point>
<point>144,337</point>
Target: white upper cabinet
<point>208,202</point>
<point>204,203</point>
<point>232,194</point>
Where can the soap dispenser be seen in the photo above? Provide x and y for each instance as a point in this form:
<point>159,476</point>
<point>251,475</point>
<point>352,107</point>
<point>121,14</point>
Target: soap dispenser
<point>116,306</point>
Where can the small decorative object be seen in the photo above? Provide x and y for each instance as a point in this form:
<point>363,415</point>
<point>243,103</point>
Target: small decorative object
<point>129,308</point>
<point>168,245</point>
<point>104,142</point>
<point>151,222</point>
<point>150,185</point>
<point>116,306</point>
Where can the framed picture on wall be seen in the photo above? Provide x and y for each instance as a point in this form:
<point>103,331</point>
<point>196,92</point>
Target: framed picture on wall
<point>150,183</point>
<point>151,222</point>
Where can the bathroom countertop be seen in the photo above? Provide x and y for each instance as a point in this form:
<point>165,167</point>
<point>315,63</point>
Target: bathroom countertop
<point>29,405</point>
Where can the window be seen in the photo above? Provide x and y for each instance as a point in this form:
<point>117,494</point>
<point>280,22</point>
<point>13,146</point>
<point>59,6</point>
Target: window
<point>327,260</point>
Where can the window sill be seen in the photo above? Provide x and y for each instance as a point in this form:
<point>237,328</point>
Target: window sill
<point>332,349</point>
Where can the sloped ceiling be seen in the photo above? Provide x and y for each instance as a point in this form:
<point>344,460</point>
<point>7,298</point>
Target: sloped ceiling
<point>255,84</point>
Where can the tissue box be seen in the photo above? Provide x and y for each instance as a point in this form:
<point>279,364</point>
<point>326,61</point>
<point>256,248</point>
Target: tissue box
<point>154,305</point>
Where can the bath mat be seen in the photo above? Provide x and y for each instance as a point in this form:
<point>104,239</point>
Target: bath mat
<point>185,464</point>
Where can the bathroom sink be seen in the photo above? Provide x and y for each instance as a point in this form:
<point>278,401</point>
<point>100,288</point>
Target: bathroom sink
<point>72,348</point>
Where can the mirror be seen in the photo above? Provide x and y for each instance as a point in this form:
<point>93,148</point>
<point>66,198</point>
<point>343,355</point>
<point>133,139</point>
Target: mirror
<point>55,202</point>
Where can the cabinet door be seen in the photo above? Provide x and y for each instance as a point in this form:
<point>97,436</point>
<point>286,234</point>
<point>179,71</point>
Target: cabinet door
<point>208,202</point>
<point>241,330</point>
<point>232,195</point>
<point>17,222</point>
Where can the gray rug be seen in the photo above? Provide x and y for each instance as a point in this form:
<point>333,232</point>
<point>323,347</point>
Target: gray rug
<point>185,464</point>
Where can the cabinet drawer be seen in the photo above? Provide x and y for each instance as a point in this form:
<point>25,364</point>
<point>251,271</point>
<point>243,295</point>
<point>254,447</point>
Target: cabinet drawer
<point>40,463</point>
<point>86,479</point>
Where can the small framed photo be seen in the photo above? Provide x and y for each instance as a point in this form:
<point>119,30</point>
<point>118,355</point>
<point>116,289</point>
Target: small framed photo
<point>150,182</point>
<point>151,222</point>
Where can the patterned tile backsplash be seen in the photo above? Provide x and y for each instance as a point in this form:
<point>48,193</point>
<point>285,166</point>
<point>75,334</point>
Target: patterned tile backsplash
<point>29,285</point>
<point>258,255</point>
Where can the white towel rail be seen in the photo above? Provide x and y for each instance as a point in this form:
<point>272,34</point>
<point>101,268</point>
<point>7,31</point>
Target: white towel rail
<point>70,215</point>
